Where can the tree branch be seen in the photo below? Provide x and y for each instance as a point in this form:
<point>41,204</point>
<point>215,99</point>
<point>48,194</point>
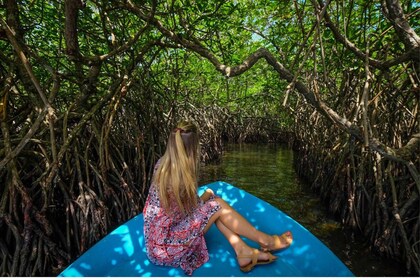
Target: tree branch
<point>412,53</point>
<point>285,74</point>
<point>402,28</point>
<point>71,9</point>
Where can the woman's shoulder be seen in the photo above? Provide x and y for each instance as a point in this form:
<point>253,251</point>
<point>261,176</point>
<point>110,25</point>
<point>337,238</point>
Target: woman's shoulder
<point>159,161</point>
<point>157,164</point>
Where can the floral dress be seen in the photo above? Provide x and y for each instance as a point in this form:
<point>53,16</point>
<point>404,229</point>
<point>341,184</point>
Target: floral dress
<point>175,239</point>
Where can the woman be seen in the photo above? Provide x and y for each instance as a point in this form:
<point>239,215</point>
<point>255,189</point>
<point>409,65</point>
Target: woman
<point>176,218</point>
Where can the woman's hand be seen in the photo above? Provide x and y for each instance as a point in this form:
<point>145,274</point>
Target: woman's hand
<point>207,194</point>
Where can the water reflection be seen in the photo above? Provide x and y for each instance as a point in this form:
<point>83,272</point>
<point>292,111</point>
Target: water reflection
<point>266,171</point>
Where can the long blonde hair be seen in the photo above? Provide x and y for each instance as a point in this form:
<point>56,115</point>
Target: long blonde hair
<point>178,169</point>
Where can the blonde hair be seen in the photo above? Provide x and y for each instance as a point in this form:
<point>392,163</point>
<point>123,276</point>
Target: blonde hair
<point>178,169</point>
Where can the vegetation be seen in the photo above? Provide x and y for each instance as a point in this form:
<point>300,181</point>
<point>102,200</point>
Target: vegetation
<point>89,89</point>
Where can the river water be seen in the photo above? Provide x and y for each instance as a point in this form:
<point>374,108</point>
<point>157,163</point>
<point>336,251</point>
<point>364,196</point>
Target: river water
<point>266,171</point>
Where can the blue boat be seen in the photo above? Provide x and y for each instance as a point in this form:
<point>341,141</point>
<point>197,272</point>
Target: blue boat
<point>122,252</point>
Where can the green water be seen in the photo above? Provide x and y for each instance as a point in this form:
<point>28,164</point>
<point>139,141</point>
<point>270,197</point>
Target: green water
<point>266,171</point>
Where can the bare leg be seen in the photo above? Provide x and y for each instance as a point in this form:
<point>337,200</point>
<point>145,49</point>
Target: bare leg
<point>238,225</point>
<point>238,245</point>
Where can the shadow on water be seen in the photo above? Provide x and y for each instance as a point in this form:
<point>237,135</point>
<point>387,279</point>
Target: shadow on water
<point>266,171</point>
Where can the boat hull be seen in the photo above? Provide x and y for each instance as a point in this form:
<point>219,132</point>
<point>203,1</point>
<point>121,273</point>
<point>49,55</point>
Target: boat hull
<point>122,252</point>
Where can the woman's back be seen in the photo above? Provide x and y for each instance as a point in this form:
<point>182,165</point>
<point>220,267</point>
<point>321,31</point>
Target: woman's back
<point>173,238</point>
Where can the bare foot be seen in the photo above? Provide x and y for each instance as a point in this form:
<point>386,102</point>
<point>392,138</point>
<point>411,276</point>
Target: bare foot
<point>279,242</point>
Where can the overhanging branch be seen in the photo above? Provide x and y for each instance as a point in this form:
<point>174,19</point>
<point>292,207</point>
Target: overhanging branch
<point>284,73</point>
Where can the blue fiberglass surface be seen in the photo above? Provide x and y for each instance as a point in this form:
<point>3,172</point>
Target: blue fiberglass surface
<point>122,252</point>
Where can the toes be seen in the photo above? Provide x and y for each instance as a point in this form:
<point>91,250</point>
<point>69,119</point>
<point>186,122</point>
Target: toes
<point>287,237</point>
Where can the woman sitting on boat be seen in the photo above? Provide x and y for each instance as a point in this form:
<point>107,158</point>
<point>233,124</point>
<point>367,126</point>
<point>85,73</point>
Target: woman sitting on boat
<point>176,218</point>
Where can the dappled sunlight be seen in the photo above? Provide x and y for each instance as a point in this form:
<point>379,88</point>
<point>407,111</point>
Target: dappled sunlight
<point>122,252</point>
<point>259,207</point>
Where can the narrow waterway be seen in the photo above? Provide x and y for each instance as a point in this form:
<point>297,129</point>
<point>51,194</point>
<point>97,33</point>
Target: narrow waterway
<point>266,171</point>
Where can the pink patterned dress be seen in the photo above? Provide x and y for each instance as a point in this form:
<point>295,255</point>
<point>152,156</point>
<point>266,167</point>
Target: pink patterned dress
<point>174,239</point>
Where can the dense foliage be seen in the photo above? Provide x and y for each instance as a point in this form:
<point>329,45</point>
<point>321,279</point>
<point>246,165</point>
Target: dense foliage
<point>89,90</point>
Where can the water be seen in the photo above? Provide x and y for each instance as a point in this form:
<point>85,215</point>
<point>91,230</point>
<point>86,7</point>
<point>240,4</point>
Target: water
<point>266,171</point>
